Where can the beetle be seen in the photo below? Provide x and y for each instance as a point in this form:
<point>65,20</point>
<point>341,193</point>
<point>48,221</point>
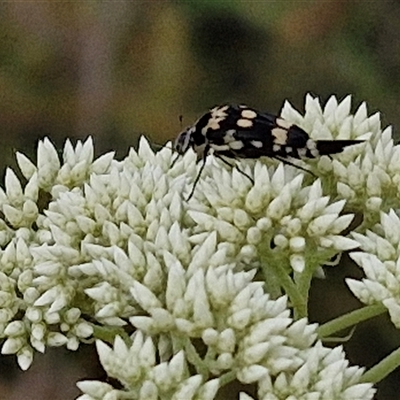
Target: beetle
<point>239,131</point>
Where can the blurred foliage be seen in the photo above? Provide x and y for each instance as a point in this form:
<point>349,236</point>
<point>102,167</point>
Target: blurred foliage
<point>115,70</point>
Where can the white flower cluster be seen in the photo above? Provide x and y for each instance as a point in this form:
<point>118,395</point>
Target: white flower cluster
<point>380,261</point>
<point>37,292</point>
<point>313,373</point>
<point>324,375</point>
<point>137,370</point>
<point>116,242</point>
<point>366,175</point>
<point>291,221</point>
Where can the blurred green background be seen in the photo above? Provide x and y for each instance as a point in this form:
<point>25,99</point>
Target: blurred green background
<point>118,69</point>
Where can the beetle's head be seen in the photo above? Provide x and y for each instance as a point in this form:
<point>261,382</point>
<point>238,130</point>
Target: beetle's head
<point>184,141</point>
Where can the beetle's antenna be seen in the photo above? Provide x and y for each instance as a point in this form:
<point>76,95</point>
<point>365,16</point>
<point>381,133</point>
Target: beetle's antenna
<point>172,148</point>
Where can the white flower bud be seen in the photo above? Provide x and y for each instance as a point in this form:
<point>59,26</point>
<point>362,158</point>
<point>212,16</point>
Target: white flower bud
<point>241,219</point>
<point>374,204</point>
<point>15,328</point>
<point>280,205</point>
<point>340,243</point>
<point>145,297</point>
<point>26,166</point>
<point>109,310</point>
<point>252,373</point>
<point>52,318</point>
<point>148,391</point>
<point>48,297</point>
<point>341,223</point>
<point>188,388</point>
<point>254,235</point>
<point>72,343</point>
<point>264,224</point>
<point>86,224</point>
<point>373,185</point>
<point>94,388</point>
<point>255,200</point>
<point>394,310</point>
<point>102,164</point>
<point>12,345</point>
<point>297,262</point>
<point>83,330</point>
<point>281,241</point>
<point>13,215</point>
<point>38,331</point>
<point>146,324</point>
<point>248,252</point>
<point>255,353</point>
<point>177,366</point>
<point>182,325</point>
<point>56,339</point>
<point>210,336</point>
<point>242,396</point>
<point>297,244</point>
<point>25,358</point>
<point>320,225</point>
<point>225,361</point>
<point>48,268</point>
<point>209,390</point>
<point>227,341</point>
<point>13,187</point>
<point>240,319</point>
<point>34,314</point>
<point>203,254</point>
<point>227,231</point>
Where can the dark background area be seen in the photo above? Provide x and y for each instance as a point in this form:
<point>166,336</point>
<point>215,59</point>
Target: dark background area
<point>118,69</point>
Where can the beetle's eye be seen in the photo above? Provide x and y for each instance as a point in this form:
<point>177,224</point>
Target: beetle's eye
<point>182,142</point>
<point>178,143</point>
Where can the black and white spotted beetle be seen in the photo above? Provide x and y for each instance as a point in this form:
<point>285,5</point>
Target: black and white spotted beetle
<point>238,131</point>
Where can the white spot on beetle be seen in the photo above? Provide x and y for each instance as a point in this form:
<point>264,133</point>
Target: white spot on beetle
<point>229,135</point>
<point>219,147</point>
<point>314,152</point>
<point>218,114</point>
<point>212,124</point>
<point>249,114</point>
<point>276,148</point>
<point>311,144</point>
<point>244,123</point>
<point>302,152</point>
<point>282,123</point>
<point>236,145</point>
<point>257,143</point>
<point>280,135</point>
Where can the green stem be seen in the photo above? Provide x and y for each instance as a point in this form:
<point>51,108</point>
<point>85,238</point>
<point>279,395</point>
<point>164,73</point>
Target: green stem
<point>298,302</point>
<point>271,282</point>
<point>195,359</point>
<point>350,319</point>
<point>303,283</point>
<point>383,368</point>
<point>226,378</point>
<point>108,334</point>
